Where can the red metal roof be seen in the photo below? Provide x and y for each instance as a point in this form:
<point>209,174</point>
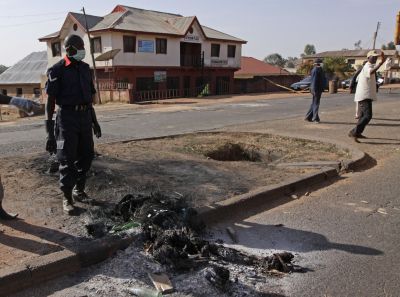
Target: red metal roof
<point>253,67</point>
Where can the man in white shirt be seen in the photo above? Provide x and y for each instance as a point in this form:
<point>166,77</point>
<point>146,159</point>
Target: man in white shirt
<point>366,92</point>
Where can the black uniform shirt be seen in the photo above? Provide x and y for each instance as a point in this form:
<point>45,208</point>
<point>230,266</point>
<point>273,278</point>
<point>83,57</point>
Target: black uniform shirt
<point>70,83</point>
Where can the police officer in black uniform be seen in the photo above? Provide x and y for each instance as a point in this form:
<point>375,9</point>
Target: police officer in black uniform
<point>70,86</point>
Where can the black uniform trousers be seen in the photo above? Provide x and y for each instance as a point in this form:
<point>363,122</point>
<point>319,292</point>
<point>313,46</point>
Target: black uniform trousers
<point>365,113</point>
<point>75,147</point>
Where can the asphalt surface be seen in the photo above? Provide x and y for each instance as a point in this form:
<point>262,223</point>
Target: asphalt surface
<point>29,136</point>
<point>345,235</point>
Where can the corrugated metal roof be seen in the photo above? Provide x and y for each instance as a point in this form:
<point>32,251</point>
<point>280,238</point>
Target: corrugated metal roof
<point>134,20</point>
<point>214,34</point>
<point>146,21</point>
<point>108,21</point>
<point>138,20</point>
<point>91,19</point>
<point>182,23</point>
<point>27,71</point>
<point>251,67</point>
<point>346,53</point>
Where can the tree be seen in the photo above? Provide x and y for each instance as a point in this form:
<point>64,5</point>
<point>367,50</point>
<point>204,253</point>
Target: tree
<point>337,67</point>
<point>275,59</point>
<point>305,68</point>
<point>291,62</point>
<point>309,49</point>
<point>389,46</point>
<point>3,68</point>
<point>357,45</point>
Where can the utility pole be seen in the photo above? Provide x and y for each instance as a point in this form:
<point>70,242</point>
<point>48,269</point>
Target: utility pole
<point>376,33</point>
<point>92,54</point>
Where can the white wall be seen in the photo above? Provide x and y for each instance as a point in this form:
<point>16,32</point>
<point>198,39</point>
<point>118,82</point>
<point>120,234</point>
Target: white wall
<point>114,40</point>
<point>172,58</point>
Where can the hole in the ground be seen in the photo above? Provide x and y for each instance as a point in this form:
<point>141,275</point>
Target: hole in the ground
<point>234,152</point>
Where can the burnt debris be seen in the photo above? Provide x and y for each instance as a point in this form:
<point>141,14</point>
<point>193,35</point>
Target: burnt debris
<point>172,234</point>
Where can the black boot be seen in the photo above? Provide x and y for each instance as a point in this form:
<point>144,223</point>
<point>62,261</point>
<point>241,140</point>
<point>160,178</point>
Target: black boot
<point>80,195</point>
<point>68,203</point>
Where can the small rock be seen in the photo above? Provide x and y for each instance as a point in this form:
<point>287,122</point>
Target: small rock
<point>382,211</point>
<point>307,194</point>
<point>294,196</point>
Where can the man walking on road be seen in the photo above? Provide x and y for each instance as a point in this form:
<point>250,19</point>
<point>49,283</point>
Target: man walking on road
<point>366,92</point>
<point>70,86</point>
<point>318,82</point>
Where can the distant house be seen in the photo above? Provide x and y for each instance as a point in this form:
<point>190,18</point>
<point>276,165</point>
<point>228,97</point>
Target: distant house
<point>255,76</point>
<point>25,78</point>
<point>353,57</point>
<point>357,57</point>
<point>156,54</point>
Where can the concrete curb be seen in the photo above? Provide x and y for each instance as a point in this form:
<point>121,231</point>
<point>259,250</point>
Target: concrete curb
<point>253,199</point>
<point>215,212</point>
<point>44,268</point>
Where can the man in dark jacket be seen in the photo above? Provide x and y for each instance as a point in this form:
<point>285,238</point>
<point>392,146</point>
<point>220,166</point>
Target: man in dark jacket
<point>318,82</point>
<point>70,86</point>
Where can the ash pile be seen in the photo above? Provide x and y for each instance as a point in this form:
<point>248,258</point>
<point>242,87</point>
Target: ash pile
<point>173,235</point>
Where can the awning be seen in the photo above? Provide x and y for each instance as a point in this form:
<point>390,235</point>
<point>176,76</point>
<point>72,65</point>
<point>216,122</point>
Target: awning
<point>108,55</point>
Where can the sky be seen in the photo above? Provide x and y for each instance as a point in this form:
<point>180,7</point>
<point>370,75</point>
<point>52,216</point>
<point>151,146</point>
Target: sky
<point>268,26</point>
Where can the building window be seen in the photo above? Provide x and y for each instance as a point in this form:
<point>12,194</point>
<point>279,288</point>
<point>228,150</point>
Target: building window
<point>75,27</point>
<point>19,91</point>
<point>4,92</point>
<point>161,46</point>
<point>36,92</point>
<point>96,45</point>
<point>56,49</point>
<point>215,50</point>
<point>129,44</point>
<point>231,51</point>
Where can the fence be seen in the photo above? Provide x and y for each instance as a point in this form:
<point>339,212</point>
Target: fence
<point>170,93</point>
<point>107,85</point>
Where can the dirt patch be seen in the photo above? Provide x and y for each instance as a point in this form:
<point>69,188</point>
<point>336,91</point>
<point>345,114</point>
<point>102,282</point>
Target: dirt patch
<point>234,152</point>
<point>175,165</point>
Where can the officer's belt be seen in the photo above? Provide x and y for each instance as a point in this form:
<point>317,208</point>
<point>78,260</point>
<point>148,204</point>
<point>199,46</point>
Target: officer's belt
<point>80,107</point>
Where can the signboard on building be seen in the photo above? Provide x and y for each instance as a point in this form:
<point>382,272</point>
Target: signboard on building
<point>191,38</point>
<point>146,46</point>
<point>219,62</point>
<point>160,76</point>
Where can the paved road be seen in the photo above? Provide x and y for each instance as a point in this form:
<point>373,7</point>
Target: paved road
<point>347,235</point>
<point>28,136</point>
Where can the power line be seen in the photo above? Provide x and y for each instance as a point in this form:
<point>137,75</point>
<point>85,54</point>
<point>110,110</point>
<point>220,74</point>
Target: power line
<point>33,15</point>
<point>29,23</point>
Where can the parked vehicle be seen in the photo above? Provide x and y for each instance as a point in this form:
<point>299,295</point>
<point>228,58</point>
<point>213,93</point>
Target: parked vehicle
<point>345,83</point>
<point>305,84</point>
<point>302,85</point>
